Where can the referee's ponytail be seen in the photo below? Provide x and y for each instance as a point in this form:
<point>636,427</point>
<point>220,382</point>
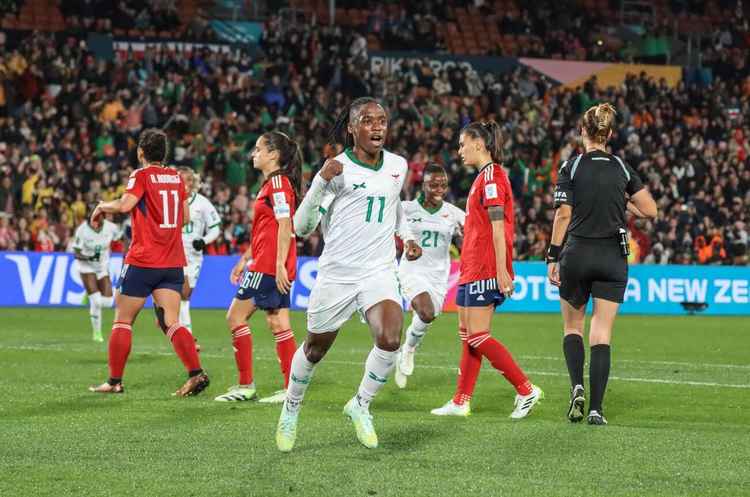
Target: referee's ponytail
<point>490,134</point>
<point>598,122</point>
<point>290,157</point>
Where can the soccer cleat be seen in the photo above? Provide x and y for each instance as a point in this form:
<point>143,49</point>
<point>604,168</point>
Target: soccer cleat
<point>286,429</point>
<point>107,388</point>
<point>577,400</point>
<point>362,420</point>
<point>398,376</point>
<point>238,393</point>
<point>276,398</point>
<point>406,360</point>
<point>452,409</point>
<point>193,386</point>
<point>98,336</point>
<point>524,403</point>
<point>596,419</point>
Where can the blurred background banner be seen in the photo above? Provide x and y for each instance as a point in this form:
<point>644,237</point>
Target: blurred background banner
<point>52,279</point>
<point>390,62</point>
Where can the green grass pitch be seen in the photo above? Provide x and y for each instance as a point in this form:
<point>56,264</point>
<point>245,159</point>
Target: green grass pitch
<point>677,405</point>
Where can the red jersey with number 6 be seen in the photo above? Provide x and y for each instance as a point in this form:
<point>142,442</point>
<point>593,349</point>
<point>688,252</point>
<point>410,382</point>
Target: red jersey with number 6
<point>276,200</point>
<point>156,218</point>
<point>491,188</point>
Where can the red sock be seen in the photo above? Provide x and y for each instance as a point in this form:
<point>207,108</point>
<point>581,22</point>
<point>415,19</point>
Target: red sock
<point>468,370</point>
<point>242,342</point>
<point>184,345</point>
<point>119,348</point>
<point>501,360</point>
<point>285,349</point>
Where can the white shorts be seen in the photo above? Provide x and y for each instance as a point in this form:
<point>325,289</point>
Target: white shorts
<point>332,303</point>
<point>100,268</point>
<point>193,270</point>
<point>412,284</point>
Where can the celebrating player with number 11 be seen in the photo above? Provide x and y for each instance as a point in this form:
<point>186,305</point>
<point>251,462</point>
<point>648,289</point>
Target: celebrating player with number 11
<point>156,197</point>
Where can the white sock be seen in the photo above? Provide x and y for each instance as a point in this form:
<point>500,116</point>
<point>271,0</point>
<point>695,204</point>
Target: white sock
<point>185,314</point>
<point>107,302</point>
<point>378,366</point>
<point>95,311</point>
<point>299,379</point>
<point>415,332</point>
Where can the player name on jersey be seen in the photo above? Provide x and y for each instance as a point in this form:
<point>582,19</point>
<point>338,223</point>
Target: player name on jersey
<point>164,178</point>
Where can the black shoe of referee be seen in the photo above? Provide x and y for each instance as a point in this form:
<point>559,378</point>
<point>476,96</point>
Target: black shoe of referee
<point>575,411</point>
<point>596,419</point>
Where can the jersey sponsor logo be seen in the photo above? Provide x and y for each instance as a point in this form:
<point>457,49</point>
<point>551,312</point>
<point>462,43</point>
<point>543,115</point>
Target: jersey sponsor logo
<point>490,191</point>
<point>358,186</point>
<point>415,220</point>
<point>165,178</point>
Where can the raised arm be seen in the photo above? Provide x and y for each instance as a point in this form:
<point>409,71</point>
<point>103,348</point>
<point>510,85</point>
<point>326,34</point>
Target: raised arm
<point>309,212</point>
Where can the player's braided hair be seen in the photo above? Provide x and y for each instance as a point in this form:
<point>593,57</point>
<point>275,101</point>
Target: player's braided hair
<point>339,132</point>
<point>489,132</point>
<point>290,157</point>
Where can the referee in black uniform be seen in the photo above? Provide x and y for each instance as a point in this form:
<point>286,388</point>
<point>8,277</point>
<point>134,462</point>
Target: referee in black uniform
<point>593,192</point>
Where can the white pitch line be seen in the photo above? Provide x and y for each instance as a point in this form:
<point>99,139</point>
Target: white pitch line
<point>426,366</point>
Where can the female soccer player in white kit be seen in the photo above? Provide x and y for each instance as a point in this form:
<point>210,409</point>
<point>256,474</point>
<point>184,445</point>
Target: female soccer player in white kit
<point>204,228</point>
<point>424,282</point>
<point>358,196</point>
<point>91,243</point>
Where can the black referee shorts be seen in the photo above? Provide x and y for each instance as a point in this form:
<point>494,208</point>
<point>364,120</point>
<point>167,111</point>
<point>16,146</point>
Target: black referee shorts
<point>592,267</point>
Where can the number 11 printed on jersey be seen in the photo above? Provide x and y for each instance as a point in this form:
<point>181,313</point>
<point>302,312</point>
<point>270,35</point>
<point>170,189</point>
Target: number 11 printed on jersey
<point>165,208</point>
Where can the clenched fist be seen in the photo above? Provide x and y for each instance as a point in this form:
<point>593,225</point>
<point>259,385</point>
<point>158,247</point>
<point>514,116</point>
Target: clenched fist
<point>331,169</point>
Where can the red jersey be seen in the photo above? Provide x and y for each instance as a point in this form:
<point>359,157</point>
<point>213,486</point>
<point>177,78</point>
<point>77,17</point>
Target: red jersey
<point>276,200</point>
<point>157,218</point>
<point>491,187</point>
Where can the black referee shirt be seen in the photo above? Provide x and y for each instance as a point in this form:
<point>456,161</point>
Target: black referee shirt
<point>595,184</point>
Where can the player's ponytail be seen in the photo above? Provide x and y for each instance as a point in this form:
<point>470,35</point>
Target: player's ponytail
<point>339,132</point>
<point>290,157</point>
<point>490,134</point>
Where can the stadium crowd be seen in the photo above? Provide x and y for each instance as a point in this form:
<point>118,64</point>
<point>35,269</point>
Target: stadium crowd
<point>69,124</point>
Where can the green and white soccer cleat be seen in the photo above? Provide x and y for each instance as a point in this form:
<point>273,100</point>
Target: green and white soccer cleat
<point>524,403</point>
<point>238,393</point>
<point>97,336</point>
<point>286,429</point>
<point>452,409</point>
<point>362,420</point>
<point>275,398</point>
